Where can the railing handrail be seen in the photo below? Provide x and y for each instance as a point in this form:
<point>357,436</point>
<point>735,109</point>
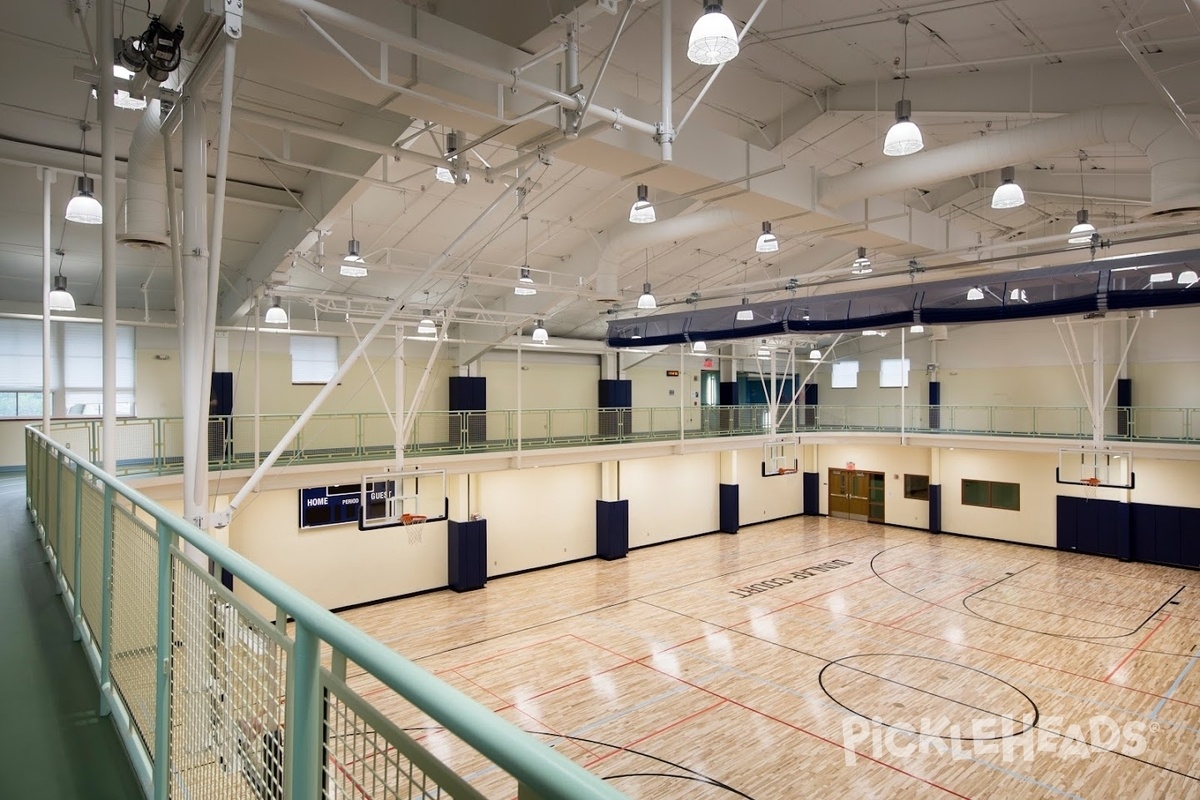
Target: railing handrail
<point>546,771</point>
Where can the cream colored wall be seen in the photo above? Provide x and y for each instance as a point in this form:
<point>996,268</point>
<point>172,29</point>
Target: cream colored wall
<point>670,497</point>
<point>894,462</point>
<point>761,499</point>
<point>1033,524</point>
<point>338,565</point>
<point>652,388</point>
<point>538,517</point>
<point>547,381</point>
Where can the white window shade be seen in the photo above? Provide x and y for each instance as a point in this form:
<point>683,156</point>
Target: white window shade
<point>21,354</point>
<point>314,358</point>
<point>83,356</point>
<point>845,375</point>
<point>893,372</point>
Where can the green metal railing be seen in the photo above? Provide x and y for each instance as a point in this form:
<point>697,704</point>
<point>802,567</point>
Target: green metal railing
<point>155,444</point>
<point>213,700</point>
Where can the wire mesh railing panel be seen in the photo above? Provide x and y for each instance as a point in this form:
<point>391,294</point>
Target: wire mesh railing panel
<point>134,602</point>
<point>378,435</point>
<point>334,435</point>
<point>1159,423</point>
<point>136,443</point>
<point>435,431</point>
<point>368,756</point>
<point>65,546</point>
<point>569,425</point>
<point>227,694</point>
<point>91,554</point>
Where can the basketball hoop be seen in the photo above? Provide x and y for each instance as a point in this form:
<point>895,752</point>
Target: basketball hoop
<point>1089,487</point>
<point>415,525</point>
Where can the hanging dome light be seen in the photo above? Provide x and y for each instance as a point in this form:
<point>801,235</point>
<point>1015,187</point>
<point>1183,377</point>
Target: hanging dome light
<point>1008,194</point>
<point>975,293</point>
<point>84,207</point>
<point>539,333</point>
<point>814,355</point>
<point>699,347</point>
<point>642,212</point>
<point>714,39</point>
<point>745,313</point>
<point>59,298</point>
<point>647,302</point>
<point>275,314</point>
<point>524,287</point>
<point>862,264</point>
<point>1083,230</point>
<point>353,264</point>
<point>917,329</point>
<point>904,137</point>
<point>426,326</point>
<point>767,242</point>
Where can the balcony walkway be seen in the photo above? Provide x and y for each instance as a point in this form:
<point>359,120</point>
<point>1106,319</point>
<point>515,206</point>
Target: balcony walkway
<point>55,744</point>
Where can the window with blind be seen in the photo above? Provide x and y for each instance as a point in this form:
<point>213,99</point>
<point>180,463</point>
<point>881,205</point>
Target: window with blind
<point>893,373</point>
<point>845,375</point>
<point>314,358</point>
<point>76,368</point>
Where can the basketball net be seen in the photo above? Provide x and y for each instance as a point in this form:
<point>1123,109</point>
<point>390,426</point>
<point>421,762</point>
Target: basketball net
<point>414,524</point>
<point>1090,486</point>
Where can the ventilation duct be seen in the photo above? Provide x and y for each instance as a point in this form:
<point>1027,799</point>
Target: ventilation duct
<point>630,238</point>
<point>143,219</point>
<point>1132,282</point>
<point>1173,152</point>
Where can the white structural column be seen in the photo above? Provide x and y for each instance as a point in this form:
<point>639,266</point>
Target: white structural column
<point>1098,383</point>
<point>666,132</point>
<point>47,177</point>
<point>108,235</point>
<point>195,309</point>
<point>399,365</point>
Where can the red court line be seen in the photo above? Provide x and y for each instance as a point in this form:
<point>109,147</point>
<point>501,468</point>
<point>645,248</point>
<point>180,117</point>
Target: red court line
<point>1136,647</point>
<point>357,786</point>
<point>795,727</point>
<point>805,600</point>
<point>663,729</point>
<point>494,656</point>
<point>935,603</point>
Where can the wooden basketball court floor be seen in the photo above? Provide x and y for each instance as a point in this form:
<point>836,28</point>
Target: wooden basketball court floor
<point>798,657</point>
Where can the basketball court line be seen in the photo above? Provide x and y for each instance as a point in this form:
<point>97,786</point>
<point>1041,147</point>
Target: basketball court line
<point>1136,648</point>
<point>931,604</point>
<point>1127,632</point>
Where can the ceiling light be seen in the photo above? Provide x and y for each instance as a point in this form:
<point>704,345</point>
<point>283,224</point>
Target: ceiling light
<point>524,287</point>
<point>975,293</point>
<point>814,355</point>
<point>637,333</point>
<point>904,137</point>
<point>1083,230</point>
<point>767,242</point>
<point>539,333</point>
<point>443,175</point>
<point>1008,194</point>
<point>1188,277</point>
<point>352,253</point>
<point>764,352</point>
<point>699,347</point>
<point>642,211</point>
<point>1162,277</point>
<point>1018,295</point>
<point>350,270</point>
<point>862,264</point>
<point>84,207</point>
<point>60,299</point>
<point>426,325</point>
<point>917,329</point>
<point>745,313</point>
<point>275,314</point>
<point>713,39</point>
<point>647,302</point>
<point>353,264</point>
<point>874,333</point>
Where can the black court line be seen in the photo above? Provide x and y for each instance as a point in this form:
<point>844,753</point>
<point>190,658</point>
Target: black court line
<point>1090,601</point>
<point>1038,610</point>
<point>839,663</point>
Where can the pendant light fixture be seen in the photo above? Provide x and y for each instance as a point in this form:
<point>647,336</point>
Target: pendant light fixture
<point>767,241</point>
<point>1008,194</point>
<point>524,287</point>
<point>1083,230</point>
<point>642,212</point>
<point>84,207</point>
<point>745,313</point>
<point>647,302</point>
<point>699,347</point>
<point>426,327</point>
<point>904,137</point>
<point>862,264</point>
<point>59,298</point>
<point>539,333</point>
<point>917,329</point>
<point>713,40</point>
<point>275,314</point>
<point>975,293</point>
<point>353,264</point>
<point>814,355</point>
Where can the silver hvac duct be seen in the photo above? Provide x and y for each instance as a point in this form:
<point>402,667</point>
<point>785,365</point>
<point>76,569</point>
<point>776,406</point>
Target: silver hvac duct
<point>143,220</point>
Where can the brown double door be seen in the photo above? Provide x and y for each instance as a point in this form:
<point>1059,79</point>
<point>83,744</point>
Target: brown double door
<point>856,494</point>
